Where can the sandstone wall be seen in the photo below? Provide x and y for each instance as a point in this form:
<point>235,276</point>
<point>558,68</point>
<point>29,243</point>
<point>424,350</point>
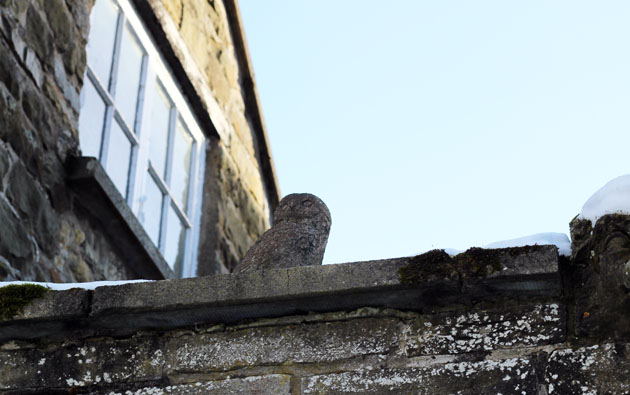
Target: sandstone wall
<point>45,234</point>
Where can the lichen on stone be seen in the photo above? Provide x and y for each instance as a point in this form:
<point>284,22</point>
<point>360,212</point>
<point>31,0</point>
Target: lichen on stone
<point>474,262</point>
<point>430,264</point>
<point>482,262</point>
<point>13,298</point>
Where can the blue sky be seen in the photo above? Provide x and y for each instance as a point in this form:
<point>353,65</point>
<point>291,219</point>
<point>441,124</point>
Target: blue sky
<point>442,124</point>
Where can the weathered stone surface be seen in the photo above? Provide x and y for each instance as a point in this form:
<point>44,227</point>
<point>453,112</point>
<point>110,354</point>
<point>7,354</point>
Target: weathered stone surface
<point>270,384</point>
<point>511,326</point>
<point>14,241</point>
<point>8,74</point>
<point>298,237</point>
<point>38,34</point>
<point>33,205</point>
<point>7,271</point>
<point>70,304</point>
<point>597,274</point>
<point>508,376</point>
<point>174,9</point>
<point>325,342</point>
<point>276,292</point>
<point>52,314</point>
<point>88,364</point>
<point>597,369</point>
<point>478,264</point>
<point>499,346</point>
<point>5,162</point>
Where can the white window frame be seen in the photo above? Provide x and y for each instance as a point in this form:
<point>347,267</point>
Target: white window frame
<point>154,69</point>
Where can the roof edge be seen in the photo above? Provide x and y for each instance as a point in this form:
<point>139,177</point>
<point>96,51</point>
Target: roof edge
<point>252,100</point>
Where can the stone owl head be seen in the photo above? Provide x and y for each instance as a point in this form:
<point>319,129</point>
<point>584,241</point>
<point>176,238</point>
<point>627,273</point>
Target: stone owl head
<point>303,209</point>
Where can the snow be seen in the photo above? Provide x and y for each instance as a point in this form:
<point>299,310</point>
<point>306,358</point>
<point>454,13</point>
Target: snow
<point>65,286</point>
<point>612,198</point>
<point>560,240</point>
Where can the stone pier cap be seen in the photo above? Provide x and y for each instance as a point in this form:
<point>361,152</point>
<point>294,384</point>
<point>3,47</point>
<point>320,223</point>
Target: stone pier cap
<point>428,282</point>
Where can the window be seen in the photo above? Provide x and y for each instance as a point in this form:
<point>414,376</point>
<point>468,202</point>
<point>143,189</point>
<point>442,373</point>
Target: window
<point>135,120</point>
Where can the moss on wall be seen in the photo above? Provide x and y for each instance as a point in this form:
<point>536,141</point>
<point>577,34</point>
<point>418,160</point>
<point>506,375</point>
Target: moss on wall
<point>13,298</point>
<point>474,262</point>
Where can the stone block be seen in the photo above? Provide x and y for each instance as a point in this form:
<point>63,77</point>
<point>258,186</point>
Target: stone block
<point>599,278</point>
<point>196,32</point>
<point>15,239</point>
<point>90,364</point>
<point>219,83</point>
<point>38,35</point>
<point>25,142</point>
<point>32,203</point>
<point>314,343</point>
<point>276,292</point>
<point>47,315</point>
<point>61,24</point>
<point>515,326</point>
<point>70,91</point>
<point>242,129</point>
<point>35,108</point>
<point>597,369</point>
<point>248,169</point>
<point>276,384</point>
<point>34,67</point>
<point>174,9</point>
<point>7,271</point>
<point>230,67</point>
<point>9,74</point>
<point>5,163</point>
<point>506,376</point>
<point>235,228</point>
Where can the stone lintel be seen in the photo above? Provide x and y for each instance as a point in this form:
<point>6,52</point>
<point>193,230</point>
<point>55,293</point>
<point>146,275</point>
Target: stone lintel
<point>521,273</point>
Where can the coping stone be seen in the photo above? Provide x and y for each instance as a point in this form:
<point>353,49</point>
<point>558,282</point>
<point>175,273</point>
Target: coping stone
<point>228,298</point>
<point>514,274</point>
<point>54,312</point>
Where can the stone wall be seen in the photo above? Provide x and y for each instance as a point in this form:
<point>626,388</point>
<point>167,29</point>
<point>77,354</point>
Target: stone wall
<point>48,233</point>
<point>45,236</point>
<point>485,321</point>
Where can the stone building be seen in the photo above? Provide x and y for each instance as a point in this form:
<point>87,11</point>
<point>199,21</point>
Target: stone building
<point>520,320</point>
<point>132,144</point>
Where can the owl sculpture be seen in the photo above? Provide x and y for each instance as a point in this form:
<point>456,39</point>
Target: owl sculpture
<point>298,237</point>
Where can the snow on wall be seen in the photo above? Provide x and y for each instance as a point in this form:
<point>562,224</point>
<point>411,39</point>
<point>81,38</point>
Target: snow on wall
<point>65,286</point>
<point>612,198</point>
<point>560,240</point>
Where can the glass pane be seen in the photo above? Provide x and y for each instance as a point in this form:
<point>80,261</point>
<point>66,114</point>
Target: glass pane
<point>174,245</point>
<point>160,115</point>
<point>91,120</point>
<point>128,80</point>
<point>150,211</point>
<point>118,158</point>
<point>182,149</point>
<point>100,48</point>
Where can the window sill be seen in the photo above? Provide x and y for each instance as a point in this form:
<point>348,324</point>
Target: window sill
<point>99,196</point>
